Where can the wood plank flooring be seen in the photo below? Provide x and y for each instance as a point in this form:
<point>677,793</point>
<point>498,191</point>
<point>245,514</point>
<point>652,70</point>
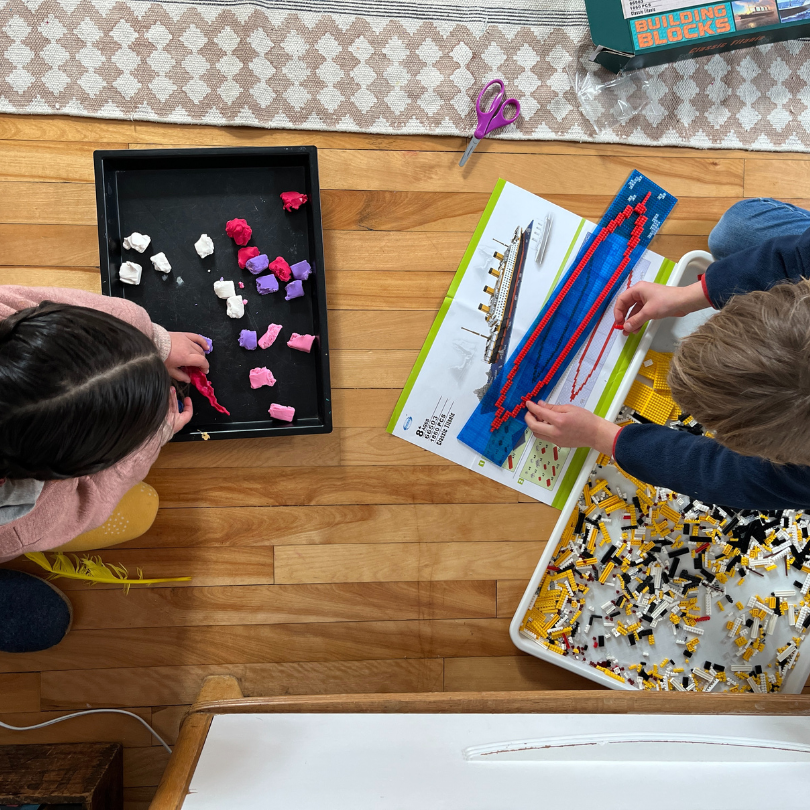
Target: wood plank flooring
<point>344,563</point>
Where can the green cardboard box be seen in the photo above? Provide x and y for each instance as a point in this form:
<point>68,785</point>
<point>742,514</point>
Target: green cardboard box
<point>632,34</point>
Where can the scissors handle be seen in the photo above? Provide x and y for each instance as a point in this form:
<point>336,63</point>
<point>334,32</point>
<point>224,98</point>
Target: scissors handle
<point>492,118</point>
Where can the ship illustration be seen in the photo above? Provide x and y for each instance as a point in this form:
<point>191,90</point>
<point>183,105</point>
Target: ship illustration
<point>793,8</point>
<point>503,292</point>
<point>752,12</point>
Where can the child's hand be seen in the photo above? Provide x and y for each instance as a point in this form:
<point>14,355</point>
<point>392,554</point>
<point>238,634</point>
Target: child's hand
<point>187,349</point>
<point>179,420</point>
<point>649,302</point>
<point>570,426</point>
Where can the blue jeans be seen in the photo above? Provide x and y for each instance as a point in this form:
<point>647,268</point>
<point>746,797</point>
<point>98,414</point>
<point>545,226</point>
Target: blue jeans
<point>751,222</point>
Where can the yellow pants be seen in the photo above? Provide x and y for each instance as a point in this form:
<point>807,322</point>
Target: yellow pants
<point>132,517</point>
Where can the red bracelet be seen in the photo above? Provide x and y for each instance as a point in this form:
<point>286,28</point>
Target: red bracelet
<point>702,280</point>
<point>616,439</point>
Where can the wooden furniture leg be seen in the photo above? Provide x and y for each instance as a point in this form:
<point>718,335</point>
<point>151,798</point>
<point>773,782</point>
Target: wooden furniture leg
<point>173,787</point>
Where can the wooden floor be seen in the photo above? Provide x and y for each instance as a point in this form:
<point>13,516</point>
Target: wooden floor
<point>351,562</point>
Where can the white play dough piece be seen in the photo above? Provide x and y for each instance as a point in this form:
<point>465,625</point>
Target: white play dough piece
<point>224,289</point>
<point>130,273</point>
<point>137,241</point>
<point>204,246</point>
<point>161,263</point>
<point>236,307</point>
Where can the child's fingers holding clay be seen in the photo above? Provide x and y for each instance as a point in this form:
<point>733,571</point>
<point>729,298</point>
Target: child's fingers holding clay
<point>187,349</point>
<point>199,342</point>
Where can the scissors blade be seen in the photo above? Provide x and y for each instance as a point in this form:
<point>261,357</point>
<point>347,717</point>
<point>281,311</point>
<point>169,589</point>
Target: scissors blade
<point>470,149</point>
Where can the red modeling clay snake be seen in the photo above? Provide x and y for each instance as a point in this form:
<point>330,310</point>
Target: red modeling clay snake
<point>203,385</point>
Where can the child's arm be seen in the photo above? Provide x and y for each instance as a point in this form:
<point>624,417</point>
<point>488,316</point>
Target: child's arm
<point>786,258</point>
<point>649,302</point>
<point>704,469</point>
<point>692,465</point>
<point>571,426</point>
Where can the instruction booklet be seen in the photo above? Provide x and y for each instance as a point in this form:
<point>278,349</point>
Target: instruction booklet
<point>520,249</point>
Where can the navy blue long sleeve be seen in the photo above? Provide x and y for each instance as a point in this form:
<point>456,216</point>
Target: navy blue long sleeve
<point>784,259</point>
<point>704,469</point>
<point>701,467</point>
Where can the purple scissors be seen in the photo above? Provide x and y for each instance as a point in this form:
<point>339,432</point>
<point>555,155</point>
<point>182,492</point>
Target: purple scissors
<point>491,119</point>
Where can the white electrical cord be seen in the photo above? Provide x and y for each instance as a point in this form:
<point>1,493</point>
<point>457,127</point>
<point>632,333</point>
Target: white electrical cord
<point>89,711</point>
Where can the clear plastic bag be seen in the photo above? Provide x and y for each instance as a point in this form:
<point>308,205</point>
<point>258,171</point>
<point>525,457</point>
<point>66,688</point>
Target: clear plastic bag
<point>609,100</point>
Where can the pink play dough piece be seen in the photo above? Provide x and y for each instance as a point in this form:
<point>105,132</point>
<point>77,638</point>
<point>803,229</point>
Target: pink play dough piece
<point>246,253</point>
<point>283,412</point>
<point>261,376</point>
<point>280,269</point>
<point>292,200</point>
<point>239,231</point>
<point>269,337</point>
<point>303,343</point>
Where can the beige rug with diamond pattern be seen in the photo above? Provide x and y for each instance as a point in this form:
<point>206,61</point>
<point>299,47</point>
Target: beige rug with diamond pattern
<point>382,66</point>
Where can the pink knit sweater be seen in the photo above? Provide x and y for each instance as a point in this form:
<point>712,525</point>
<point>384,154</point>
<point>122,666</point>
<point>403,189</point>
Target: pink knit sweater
<point>67,508</point>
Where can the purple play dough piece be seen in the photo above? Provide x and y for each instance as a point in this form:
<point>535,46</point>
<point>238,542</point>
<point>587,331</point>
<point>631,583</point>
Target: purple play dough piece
<point>257,264</point>
<point>210,344</point>
<point>295,289</point>
<point>266,284</point>
<point>301,270</point>
<point>247,339</point>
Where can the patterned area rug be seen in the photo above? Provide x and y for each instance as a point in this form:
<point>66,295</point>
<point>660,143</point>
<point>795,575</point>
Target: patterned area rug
<point>385,67</point>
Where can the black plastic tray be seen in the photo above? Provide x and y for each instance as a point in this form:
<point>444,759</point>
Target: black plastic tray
<point>174,195</point>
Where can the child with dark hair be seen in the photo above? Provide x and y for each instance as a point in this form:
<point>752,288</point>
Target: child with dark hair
<point>86,403</point>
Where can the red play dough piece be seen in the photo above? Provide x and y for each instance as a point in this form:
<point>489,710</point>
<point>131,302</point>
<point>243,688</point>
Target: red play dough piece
<point>203,385</point>
<point>245,254</point>
<point>280,269</point>
<point>239,231</point>
<point>293,200</point>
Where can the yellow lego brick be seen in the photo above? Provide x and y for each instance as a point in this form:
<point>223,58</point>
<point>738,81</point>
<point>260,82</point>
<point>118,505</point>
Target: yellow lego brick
<point>669,513</point>
<point>662,387</point>
<point>606,572</point>
<point>638,396</point>
<point>568,533</point>
<point>657,408</point>
<point>599,486</point>
<point>611,673</point>
<point>616,504</point>
<point>647,368</point>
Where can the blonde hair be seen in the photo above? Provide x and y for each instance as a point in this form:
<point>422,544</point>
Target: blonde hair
<point>745,374</point>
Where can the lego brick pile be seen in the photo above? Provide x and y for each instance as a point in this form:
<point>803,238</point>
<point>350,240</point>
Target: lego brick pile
<point>660,591</point>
